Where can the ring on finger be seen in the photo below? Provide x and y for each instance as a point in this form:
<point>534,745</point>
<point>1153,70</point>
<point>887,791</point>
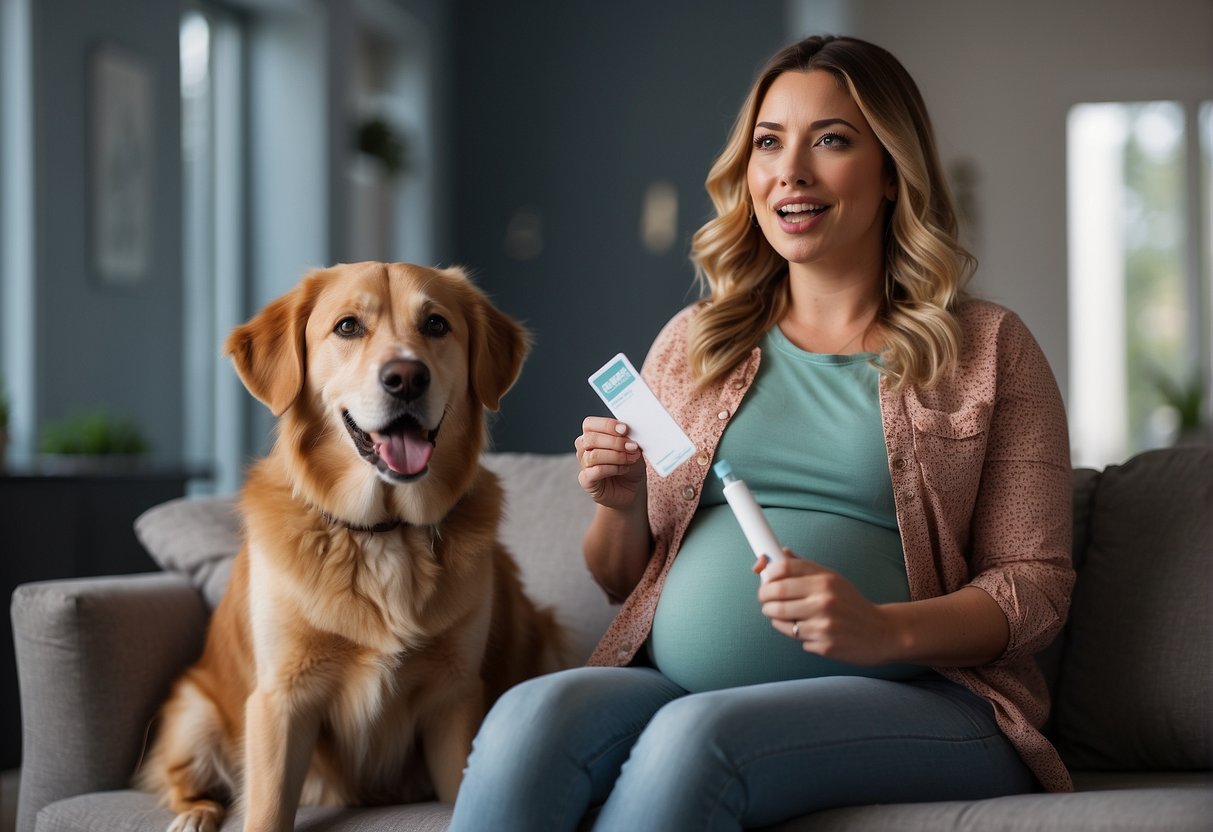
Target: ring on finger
<point>796,629</point>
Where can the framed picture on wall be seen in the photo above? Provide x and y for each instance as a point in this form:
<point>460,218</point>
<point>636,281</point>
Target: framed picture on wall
<point>122,159</point>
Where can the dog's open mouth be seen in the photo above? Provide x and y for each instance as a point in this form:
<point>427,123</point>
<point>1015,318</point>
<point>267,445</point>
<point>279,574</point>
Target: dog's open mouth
<point>402,450</point>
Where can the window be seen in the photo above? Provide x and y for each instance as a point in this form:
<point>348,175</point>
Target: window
<point>17,225</point>
<point>1138,185</point>
<point>212,158</point>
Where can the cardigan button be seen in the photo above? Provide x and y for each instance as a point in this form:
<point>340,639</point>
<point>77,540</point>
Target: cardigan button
<point>737,385</point>
<point>624,651</point>
<point>702,459</point>
<point>722,415</point>
<point>900,463</point>
<point>688,493</point>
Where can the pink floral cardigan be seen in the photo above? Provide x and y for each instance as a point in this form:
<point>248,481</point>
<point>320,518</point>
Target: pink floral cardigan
<point>981,477</point>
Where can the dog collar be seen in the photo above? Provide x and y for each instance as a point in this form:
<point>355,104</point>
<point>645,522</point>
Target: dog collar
<point>385,526</point>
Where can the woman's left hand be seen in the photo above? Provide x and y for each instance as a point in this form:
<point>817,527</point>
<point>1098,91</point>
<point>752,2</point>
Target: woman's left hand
<point>823,610</point>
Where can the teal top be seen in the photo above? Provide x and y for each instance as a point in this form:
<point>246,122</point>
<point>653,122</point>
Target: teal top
<point>809,442</point>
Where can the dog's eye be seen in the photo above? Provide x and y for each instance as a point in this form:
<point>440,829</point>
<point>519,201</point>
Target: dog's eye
<point>348,327</point>
<point>435,326</point>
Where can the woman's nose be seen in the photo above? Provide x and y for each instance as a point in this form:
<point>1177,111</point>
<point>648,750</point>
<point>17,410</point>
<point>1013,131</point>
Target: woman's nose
<point>796,172</point>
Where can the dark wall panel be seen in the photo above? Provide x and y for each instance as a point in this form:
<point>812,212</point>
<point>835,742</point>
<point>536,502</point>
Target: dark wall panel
<point>564,114</point>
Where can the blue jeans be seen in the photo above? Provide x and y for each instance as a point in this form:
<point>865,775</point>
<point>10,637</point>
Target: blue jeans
<point>657,758</point>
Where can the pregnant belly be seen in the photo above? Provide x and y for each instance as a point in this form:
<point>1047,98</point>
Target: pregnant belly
<point>709,631</point>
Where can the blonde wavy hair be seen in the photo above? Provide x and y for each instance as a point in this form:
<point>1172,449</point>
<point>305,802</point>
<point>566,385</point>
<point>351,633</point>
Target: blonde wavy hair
<point>926,268</point>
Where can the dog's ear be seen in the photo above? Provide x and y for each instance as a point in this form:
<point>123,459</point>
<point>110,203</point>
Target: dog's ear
<point>269,351</point>
<point>497,345</point>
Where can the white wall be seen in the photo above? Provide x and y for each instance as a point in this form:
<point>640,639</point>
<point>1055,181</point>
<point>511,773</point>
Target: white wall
<point>999,79</point>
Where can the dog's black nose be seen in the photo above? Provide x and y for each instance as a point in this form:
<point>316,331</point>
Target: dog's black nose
<point>404,379</point>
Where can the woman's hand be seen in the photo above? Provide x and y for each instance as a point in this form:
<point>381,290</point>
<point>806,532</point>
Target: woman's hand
<point>618,542</point>
<point>823,610</point>
<point>612,472</point>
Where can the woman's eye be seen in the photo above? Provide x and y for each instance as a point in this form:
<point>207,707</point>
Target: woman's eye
<point>833,140</point>
<point>348,327</point>
<point>435,326</point>
<point>765,142</point>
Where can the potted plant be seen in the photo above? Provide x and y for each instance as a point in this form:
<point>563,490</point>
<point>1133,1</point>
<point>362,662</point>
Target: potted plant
<point>380,157</point>
<point>1187,401</point>
<point>92,439</point>
<point>377,138</point>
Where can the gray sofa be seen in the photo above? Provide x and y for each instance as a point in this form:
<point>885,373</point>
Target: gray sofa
<point>1132,673</point>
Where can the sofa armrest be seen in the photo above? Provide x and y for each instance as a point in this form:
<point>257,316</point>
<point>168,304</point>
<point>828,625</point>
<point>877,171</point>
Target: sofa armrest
<point>95,659</point>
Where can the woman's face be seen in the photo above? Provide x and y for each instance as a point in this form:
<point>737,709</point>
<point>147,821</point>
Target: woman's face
<point>817,175</point>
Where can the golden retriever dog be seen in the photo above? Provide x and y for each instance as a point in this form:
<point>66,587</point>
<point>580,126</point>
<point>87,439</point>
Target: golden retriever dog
<point>372,616</point>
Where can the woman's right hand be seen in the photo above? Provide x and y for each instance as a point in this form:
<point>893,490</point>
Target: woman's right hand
<point>617,543</point>
<point>612,471</point>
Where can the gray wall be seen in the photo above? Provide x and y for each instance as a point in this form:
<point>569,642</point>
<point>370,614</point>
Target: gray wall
<point>571,110</point>
<point>95,345</point>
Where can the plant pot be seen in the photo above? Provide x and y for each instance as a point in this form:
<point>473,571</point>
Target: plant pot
<point>90,464</point>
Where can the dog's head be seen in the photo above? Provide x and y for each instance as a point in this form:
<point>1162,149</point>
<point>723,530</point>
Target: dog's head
<point>388,366</point>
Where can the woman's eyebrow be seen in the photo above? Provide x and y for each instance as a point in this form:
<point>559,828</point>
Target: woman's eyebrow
<point>817,125</point>
<point>829,122</point>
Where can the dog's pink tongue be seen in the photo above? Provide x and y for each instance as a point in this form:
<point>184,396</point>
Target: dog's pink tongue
<point>405,453</point>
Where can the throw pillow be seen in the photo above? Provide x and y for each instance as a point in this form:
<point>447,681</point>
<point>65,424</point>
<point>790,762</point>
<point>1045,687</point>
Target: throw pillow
<point>1137,677</point>
<point>197,536</point>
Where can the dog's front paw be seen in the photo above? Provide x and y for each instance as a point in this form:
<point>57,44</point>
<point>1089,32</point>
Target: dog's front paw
<point>204,816</point>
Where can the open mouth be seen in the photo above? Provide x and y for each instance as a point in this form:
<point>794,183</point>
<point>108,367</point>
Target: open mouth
<point>400,451</point>
<point>797,212</point>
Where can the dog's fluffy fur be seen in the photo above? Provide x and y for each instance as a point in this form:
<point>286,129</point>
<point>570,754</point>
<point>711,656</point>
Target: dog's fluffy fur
<point>348,664</point>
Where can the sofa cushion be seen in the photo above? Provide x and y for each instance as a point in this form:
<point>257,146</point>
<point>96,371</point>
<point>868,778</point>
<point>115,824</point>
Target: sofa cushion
<point>1117,803</point>
<point>1151,804</point>
<point>1137,679</point>
<point>546,515</point>
<point>1083,484</point>
<point>196,536</point>
<point>131,811</point>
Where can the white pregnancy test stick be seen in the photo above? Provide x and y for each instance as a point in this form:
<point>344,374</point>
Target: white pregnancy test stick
<point>749,514</point>
<point>650,425</point>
